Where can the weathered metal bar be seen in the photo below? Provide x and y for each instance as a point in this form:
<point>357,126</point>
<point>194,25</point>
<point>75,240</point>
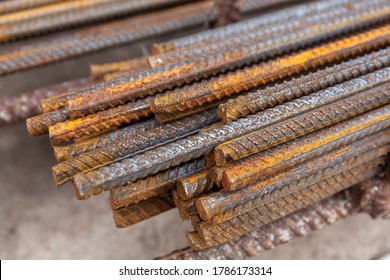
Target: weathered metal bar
<point>131,146</point>
<point>71,13</point>
<point>225,205</point>
<point>260,100</point>
<point>261,74</point>
<point>99,71</point>
<point>39,125</point>
<point>312,145</point>
<point>14,6</point>
<point>267,20</point>
<point>163,78</point>
<point>281,29</point>
<point>194,185</point>
<point>143,210</point>
<point>73,129</point>
<point>300,125</point>
<point>66,152</point>
<point>153,185</point>
<point>295,225</point>
<point>285,205</point>
<point>140,166</point>
<point>102,36</point>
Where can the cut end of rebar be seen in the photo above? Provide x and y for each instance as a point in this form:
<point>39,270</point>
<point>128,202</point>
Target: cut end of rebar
<point>59,176</point>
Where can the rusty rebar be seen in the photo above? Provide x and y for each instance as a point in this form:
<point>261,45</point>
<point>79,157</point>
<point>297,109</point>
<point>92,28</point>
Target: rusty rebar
<point>262,99</point>
<point>227,12</point>
<point>65,131</point>
<point>66,152</point>
<point>138,212</point>
<point>194,185</point>
<point>163,78</point>
<point>270,34</point>
<point>131,146</point>
<point>102,36</point>
<point>257,75</point>
<point>14,6</point>
<point>303,124</point>
<point>175,153</point>
<point>374,193</point>
<point>221,206</point>
<point>254,219</point>
<point>153,185</point>
<point>71,13</point>
<point>314,144</point>
<point>248,25</point>
<point>186,208</point>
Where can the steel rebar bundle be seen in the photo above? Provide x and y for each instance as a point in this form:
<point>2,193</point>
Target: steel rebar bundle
<point>247,134</point>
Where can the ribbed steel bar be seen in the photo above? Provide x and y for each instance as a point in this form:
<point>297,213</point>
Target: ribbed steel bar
<point>102,36</point>
<point>260,100</point>
<point>99,71</point>
<point>271,33</point>
<point>194,185</point>
<point>261,74</point>
<point>143,210</point>
<point>285,205</point>
<point>314,144</point>
<point>14,109</point>
<point>267,20</point>
<point>125,90</point>
<point>153,185</point>
<point>130,146</point>
<point>91,124</point>
<point>71,13</point>
<point>303,124</point>
<point>222,205</point>
<point>151,162</point>
<point>295,225</point>
<point>14,6</point>
<point>106,140</point>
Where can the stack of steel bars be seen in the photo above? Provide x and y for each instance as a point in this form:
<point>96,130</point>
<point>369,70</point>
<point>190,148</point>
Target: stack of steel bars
<point>237,126</point>
<point>145,19</point>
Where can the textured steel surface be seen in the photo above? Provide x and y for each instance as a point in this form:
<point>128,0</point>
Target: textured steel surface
<point>104,141</point>
<point>314,144</point>
<point>262,99</point>
<point>138,212</point>
<point>276,33</point>
<point>261,74</point>
<point>91,39</point>
<point>254,219</point>
<point>303,124</point>
<point>220,206</point>
<point>153,185</point>
<point>13,6</point>
<point>131,146</point>
<point>194,185</point>
<point>266,20</point>
<point>70,13</point>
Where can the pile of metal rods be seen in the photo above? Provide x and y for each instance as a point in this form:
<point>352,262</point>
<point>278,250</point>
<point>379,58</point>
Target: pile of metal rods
<point>237,126</point>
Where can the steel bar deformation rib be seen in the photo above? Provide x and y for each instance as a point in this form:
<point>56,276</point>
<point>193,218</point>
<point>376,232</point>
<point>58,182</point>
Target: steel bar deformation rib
<point>153,185</point>
<point>128,146</point>
<point>284,131</point>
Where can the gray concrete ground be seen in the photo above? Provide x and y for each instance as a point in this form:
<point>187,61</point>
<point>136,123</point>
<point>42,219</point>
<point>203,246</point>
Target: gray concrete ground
<point>40,221</point>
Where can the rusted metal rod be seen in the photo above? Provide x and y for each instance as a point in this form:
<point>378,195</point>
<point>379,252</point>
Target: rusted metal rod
<point>131,146</point>
<point>257,75</point>
<point>250,171</point>
<point>303,124</point>
<point>153,185</point>
<point>262,99</point>
<point>225,205</point>
<point>14,6</point>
